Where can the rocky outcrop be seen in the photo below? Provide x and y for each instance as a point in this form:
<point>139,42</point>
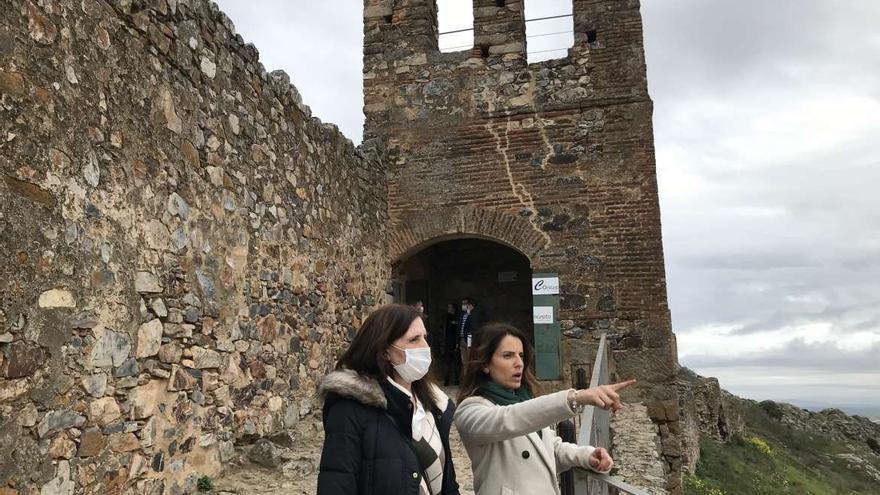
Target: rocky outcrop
<point>706,410</point>
<point>711,412</point>
<point>831,423</point>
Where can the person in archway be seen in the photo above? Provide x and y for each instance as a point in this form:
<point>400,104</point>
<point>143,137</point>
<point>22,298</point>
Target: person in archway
<point>419,306</point>
<point>505,428</point>
<point>386,423</point>
<point>472,318</point>
<point>450,341</point>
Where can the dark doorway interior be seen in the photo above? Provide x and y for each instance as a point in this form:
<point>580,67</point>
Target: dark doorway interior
<point>498,277</point>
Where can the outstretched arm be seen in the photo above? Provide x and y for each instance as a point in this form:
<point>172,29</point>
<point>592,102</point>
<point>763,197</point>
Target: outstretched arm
<point>569,455</point>
<point>483,422</point>
<point>604,396</point>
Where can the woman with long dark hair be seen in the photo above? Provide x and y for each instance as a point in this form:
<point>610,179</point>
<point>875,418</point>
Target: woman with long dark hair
<point>505,426</point>
<point>386,423</point>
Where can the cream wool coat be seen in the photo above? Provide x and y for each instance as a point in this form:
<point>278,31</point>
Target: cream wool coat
<point>507,455</point>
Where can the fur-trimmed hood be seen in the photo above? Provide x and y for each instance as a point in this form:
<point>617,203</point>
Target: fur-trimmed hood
<point>364,389</point>
<point>349,384</point>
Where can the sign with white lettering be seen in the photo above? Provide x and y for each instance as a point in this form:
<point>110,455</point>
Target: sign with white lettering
<point>543,315</point>
<point>545,311</point>
<point>545,286</point>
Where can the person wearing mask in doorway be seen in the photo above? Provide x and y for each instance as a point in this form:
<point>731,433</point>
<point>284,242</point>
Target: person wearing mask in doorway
<point>470,322</point>
<point>419,306</point>
<point>450,341</point>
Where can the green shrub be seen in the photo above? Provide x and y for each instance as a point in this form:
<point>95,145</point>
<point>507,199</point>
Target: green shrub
<point>772,409</point>
<point>773,459</point>
<point>205,484</point>
<point>694,485</point>
<point>760,444</point>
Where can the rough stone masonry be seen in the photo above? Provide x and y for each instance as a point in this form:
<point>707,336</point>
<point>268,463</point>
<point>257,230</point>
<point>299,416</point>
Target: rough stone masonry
<point>184,247</point>
<point>554,159</point>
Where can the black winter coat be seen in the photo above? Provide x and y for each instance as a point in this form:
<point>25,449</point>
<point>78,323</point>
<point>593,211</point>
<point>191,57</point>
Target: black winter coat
<point>367,433</point>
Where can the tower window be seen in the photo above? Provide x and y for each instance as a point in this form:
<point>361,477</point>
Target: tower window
<point>549,29</point>
<point>455,23</point>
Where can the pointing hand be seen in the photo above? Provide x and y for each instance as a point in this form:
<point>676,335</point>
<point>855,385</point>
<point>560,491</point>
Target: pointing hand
<point>604,396</point>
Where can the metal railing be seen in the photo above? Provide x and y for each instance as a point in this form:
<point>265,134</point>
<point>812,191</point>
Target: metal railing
<point>594,430</point>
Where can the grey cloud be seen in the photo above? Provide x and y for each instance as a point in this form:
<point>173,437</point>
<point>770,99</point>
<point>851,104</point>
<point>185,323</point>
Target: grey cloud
<point>798,356</point>
<point>723,43</point>
<point>841,320</point>
<point>767,300</point>
<point>755,261</point>
<point>318,44</point>
<point>845,319</point>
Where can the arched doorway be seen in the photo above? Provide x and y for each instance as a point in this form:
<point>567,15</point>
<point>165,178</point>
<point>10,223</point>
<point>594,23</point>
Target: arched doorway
<point>498,277</point>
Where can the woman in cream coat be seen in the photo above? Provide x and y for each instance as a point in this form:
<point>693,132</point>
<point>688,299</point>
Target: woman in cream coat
<point>506,431</point>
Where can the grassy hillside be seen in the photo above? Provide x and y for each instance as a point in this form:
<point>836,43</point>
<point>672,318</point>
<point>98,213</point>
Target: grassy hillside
<point>771,458</point>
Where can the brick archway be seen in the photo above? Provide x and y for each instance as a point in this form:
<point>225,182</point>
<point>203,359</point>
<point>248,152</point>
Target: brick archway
<point>418,230</point>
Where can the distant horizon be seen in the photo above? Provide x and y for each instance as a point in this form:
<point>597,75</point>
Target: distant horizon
<point>868,409</point>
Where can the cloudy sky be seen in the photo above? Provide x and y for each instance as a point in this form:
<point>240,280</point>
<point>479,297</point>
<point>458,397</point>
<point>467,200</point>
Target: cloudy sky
<point>767,127</point>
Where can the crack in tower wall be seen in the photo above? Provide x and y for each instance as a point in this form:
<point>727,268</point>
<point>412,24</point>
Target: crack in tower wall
<point>565,144</point>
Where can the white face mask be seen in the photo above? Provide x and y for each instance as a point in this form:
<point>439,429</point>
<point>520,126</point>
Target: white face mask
<point>417,364</point>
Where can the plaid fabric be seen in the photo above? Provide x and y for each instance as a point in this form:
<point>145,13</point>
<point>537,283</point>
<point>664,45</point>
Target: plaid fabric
<point>427,445</point>
<point>429,449</point>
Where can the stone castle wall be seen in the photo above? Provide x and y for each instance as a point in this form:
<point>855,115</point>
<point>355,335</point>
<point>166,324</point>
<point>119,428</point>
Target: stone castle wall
<point>555,159</point>
<point>184,248</point>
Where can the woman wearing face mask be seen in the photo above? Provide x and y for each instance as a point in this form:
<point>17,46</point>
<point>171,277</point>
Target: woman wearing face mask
<point>386,424</point>
<point>506,429</point>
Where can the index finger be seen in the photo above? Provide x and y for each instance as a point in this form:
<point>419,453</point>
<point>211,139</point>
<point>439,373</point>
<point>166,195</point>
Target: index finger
<point>622,385</point>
